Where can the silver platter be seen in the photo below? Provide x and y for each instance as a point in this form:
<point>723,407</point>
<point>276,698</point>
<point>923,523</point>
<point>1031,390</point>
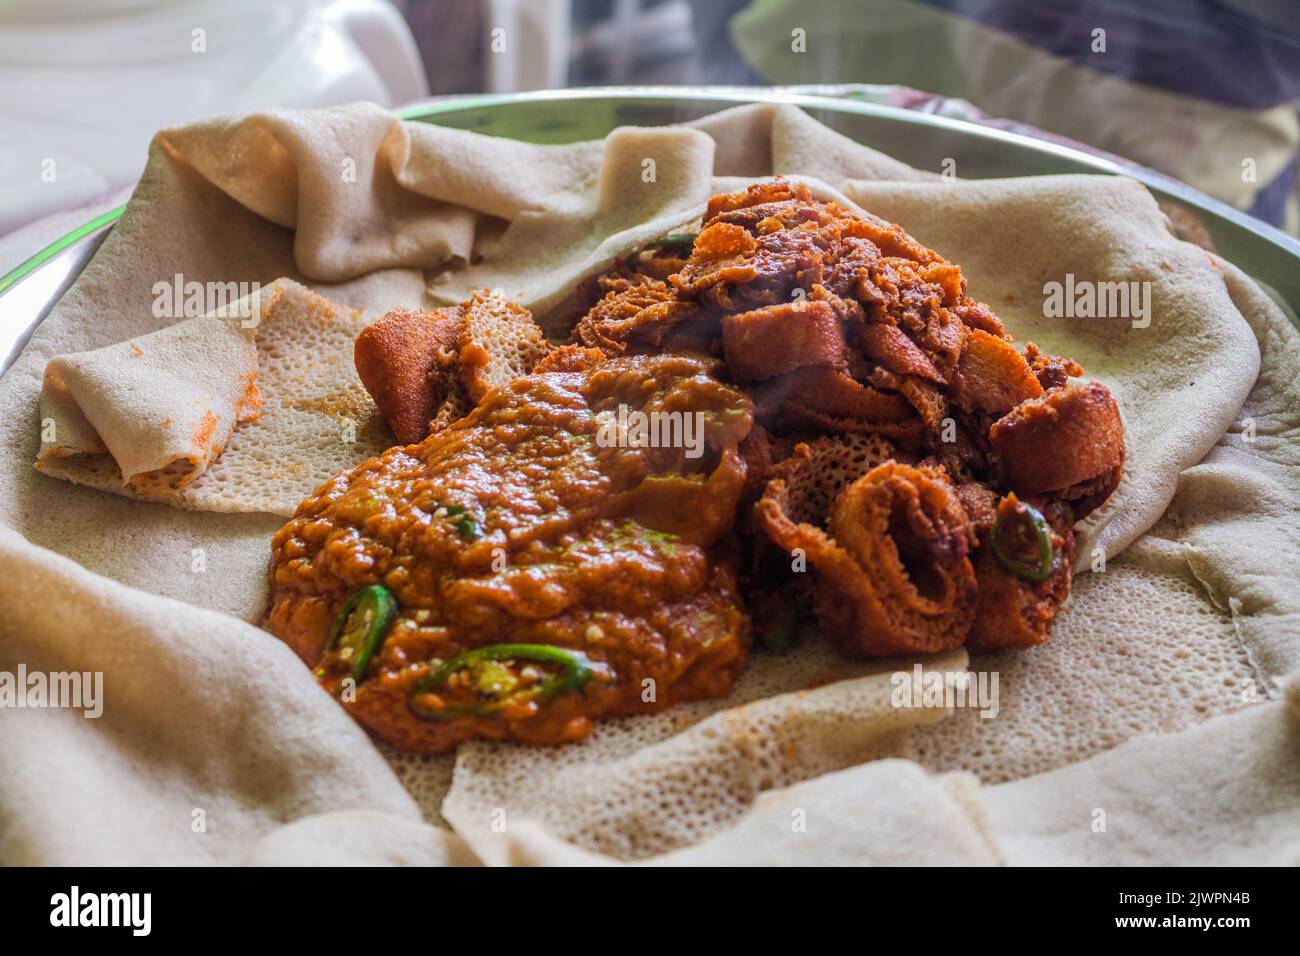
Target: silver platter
<point>921,139</point>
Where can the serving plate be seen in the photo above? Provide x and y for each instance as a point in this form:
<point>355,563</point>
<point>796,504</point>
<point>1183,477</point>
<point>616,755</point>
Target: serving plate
<point>921,139</point>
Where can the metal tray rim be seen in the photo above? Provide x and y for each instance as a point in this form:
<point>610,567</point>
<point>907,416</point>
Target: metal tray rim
<point>737,96</point>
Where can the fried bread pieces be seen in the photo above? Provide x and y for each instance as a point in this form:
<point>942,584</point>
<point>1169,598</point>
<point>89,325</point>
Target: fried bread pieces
<point>425,370</point>
<point>895,575</point>
<point>839,325</point>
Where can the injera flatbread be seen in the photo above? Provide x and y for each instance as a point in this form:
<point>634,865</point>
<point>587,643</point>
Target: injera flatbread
<point>313,418</point>
<point>1194,621</point>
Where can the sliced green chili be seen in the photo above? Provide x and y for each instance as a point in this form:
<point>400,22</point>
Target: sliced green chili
<point>498,682</point>
<point>674,240</point>
<point>464,524</point>
<point>1022,540</point>
<point>783,633</point>
<point>360,626</point>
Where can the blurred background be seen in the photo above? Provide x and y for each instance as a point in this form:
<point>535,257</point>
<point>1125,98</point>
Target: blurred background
<point>1203,90</point>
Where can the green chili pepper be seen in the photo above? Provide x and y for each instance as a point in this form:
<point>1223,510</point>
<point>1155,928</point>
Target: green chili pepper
<point>783,633</point>
<point>1022,541</point>
<point>491,679</point>
<point>674,240</point>
<point>465,524</point>
<point>360,626</point>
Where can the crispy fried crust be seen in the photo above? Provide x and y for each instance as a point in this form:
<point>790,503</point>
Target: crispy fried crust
<point>992,377</point>
<point>398,360</point>
<point>569,358</point>
<point>889,346</point>
<point>818,471</point>
<point>1065,441</point>
<point>1013,613</point>
<point>894,575</point>
<point>776,339</point>
<point>844,328</point>
<point>633,314</point>
<point>828,400</point>
<point>426,370</point>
